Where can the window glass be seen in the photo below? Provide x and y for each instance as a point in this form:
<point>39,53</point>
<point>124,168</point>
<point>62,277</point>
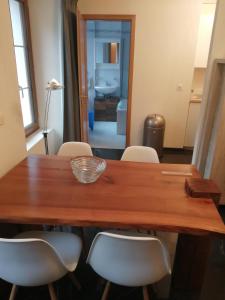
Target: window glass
<point>21,65</point>
<point>20,25</point>
<point>26,107</point>
<point>17,22</point>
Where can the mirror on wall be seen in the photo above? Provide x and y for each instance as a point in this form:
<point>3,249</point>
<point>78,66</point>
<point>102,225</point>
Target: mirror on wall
<point>107,52</point>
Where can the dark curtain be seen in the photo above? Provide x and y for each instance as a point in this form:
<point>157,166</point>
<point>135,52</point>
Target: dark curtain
<point>71,131</point>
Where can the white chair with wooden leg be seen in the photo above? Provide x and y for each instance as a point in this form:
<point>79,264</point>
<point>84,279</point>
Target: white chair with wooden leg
<point>140,154</point>
<point>129,260</point>
<point>75,149</point>
<point>37,258</point>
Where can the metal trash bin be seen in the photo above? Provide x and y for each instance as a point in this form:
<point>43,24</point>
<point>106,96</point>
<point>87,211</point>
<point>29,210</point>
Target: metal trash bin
<point>154,129</point>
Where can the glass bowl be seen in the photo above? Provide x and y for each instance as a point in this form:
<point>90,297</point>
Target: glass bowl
<point>87,169</point>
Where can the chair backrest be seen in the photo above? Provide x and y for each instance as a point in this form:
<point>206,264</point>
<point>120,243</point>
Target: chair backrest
<point>129,260</point>
<point>29,262</point>
<point>140,154</point>
<point>75,149</point>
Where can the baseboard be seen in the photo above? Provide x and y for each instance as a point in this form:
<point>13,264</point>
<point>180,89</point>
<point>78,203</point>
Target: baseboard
<point>188,148</point>
<point>178,150</point>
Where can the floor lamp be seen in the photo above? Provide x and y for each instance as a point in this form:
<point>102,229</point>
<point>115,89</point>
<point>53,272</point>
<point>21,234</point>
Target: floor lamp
<point>52,85</point>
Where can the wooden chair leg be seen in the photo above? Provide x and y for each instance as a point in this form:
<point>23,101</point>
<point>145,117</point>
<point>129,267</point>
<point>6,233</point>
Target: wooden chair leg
<point>52,292</point>
<point>106,291</point>
<point>145,293</point>
<point>75,281</point>
<point>13,292</point>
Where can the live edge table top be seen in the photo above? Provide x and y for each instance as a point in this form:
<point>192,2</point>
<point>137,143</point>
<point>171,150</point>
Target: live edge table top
<point>43,190</point>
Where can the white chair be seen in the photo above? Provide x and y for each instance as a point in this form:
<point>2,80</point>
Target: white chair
<point>35,258</point>
<point>75,149</point>
<point>140,154</point>
<point>129,260</point>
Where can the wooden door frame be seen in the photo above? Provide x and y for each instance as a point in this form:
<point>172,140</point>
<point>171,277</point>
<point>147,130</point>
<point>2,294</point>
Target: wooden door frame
<point>132,19</point>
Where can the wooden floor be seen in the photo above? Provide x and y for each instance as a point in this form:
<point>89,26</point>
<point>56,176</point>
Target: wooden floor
<point>92,285</point>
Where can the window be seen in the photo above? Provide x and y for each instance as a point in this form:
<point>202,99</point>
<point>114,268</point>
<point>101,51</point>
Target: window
<point>24,64</point>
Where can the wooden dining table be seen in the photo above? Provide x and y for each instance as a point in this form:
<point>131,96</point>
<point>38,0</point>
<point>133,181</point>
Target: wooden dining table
<point>43,190</point>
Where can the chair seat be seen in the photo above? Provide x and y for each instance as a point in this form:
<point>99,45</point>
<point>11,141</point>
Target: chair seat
<point>67,245</point>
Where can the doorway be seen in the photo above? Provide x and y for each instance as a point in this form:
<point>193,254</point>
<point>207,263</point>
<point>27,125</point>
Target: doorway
<point>109,49</point>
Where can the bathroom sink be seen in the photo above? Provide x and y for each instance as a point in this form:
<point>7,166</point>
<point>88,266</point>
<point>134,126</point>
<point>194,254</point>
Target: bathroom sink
<point>105,90</point>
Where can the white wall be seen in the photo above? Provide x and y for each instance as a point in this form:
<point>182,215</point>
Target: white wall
<point>165,42</point>
<point>214,166</point>
<point>12,136</point>
<point>46,36</point>
<point>204,34</point>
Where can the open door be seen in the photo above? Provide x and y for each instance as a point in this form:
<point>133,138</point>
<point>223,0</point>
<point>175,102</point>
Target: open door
<point>82,73</point>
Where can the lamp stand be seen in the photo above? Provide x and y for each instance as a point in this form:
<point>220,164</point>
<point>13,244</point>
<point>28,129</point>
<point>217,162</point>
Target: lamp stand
<point>45,134</point>
<point>45,130</point>
<point>52,85</point>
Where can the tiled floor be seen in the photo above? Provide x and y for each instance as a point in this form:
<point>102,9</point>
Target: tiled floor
<point>92,286</point>
<point>104,135</point>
